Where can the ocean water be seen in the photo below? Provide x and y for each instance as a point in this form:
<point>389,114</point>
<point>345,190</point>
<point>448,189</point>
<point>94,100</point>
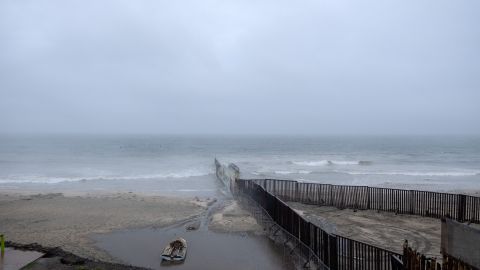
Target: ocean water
<point>184,164</point>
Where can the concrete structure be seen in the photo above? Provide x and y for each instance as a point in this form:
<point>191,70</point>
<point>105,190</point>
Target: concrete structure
<point>461,242</point>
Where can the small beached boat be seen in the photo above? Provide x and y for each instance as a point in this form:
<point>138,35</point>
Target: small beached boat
<point>175,250</point>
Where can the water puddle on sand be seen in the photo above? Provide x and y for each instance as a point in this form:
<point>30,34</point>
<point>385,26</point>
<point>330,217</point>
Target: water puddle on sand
<point>206,249</point>
<point>14,259</point>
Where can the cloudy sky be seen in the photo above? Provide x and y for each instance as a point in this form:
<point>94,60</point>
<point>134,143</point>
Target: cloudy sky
<point>265,66</point>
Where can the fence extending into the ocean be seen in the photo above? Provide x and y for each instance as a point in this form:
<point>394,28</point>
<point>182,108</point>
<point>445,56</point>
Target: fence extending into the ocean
<point>336,252</point>
<point>460,207</point>
<point>342,253</point>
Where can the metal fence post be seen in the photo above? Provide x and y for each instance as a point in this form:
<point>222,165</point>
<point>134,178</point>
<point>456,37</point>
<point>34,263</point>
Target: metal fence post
<point>461,207</point>
<point>333,252</point>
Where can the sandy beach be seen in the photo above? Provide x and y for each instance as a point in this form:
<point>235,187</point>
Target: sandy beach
<point>55,220</point>
<point>76,223</point>
<point>232,218</point>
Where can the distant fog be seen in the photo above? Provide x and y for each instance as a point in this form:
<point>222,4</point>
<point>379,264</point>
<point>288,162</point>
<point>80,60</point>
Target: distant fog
<point>276,67</point>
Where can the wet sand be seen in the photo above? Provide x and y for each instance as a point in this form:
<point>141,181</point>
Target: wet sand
<point>225,236</point>
<point>232,218</point>
<point>133,229</point>
<point>13,259</point>
<point>204,186</point>
<point>55,220</point>
<point>206,249</point>
<point>382,229</point>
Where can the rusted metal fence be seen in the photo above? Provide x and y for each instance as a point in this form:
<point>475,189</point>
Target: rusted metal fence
<point>459,207</point>
<point>413,260</point>
<point>452,263</point>
<point>336,252</point>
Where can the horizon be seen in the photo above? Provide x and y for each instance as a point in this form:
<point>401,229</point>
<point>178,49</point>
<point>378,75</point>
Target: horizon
<point>317,135</point>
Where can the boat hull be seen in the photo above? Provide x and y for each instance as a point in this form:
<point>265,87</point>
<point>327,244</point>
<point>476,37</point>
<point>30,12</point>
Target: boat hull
<point>175,251</point>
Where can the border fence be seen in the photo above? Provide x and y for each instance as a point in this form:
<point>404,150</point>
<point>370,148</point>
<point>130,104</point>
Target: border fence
<point>324,250</point>
<point>413,260</point>
<point>336,252</point>
<point>459,207</point>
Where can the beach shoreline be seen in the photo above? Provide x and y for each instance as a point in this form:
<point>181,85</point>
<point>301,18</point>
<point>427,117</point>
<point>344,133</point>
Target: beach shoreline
<point>56,220</point>
<point>71,221</point>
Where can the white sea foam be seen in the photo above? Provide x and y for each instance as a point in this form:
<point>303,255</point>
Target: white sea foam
<point>55,180</point>
<point>335,162</point>
<point>284,172</point>
<point>316,163</point>
<point>413,173</point>
<point>311,163</point>
<point>292,172</point>
<point>194,190</point>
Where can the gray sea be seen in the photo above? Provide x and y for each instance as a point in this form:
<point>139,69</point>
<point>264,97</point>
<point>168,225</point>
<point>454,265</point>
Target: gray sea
<point>183,165</point>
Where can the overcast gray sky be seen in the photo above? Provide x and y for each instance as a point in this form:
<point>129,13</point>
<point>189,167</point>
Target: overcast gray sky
<point>205,66</point>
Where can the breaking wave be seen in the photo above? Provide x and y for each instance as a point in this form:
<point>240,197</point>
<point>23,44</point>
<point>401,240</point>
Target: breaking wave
<point>416,173</point>
<point>331,162</point>
<point>54,180</point>
<point>292,172</point>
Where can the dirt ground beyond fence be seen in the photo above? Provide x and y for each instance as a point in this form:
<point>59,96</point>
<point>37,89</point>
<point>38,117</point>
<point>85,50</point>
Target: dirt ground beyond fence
<point>382,229</point>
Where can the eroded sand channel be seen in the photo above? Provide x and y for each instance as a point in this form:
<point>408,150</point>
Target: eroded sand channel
<point>206,249</point>
<point>224,237</point>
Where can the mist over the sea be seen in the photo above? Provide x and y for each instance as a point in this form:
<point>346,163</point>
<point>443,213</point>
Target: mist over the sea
<point>329,91</point>
<point>184,164</point>
<point>239,67</point>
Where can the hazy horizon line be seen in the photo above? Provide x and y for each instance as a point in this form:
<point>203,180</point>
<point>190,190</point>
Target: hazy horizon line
<point>238,134</point>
